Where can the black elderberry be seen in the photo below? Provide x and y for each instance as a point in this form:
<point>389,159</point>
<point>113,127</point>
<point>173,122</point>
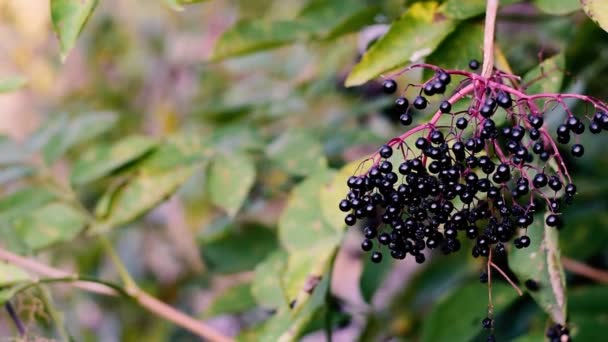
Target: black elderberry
<point>486,111</point>
<point>595,128</point>
<point>532,285</point>
<point>570,189</point>
<point>554,183</point>
<point>438,87</point>
<point>420,102</point>
<point>389,86</point>
<point>402,103</point>
<point>535,121</point>
<point>504,100</point>
<point>537,148</point>
<point>483,277</point>
<point>461,123</point>
<point>540,180</point>
<point>437,137</point>
<point>553,221</point>
<point>428,90</point>
<point>422,143</point>
<point>524,241</point>
<point>406,119</point>
<point>444,77</point>
<point>534,134</point>
<point>420,258</point>
<point>386,167</point>
<point>445,106</point>
<point>386,151</point>
<point>384,238</point>
<point>491,338</point>
<point>376,257</point>
<point>369,232</point>
<point>345,205</point>
<point>487,323</point>
<point>474,64</point>
<point>367,245</point>
<point>350,220</point>
<point>578,150</point>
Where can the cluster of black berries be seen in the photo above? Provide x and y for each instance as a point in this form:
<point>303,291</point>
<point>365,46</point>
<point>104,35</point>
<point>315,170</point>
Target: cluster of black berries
<point>558,333</point>
<point>469,179</point>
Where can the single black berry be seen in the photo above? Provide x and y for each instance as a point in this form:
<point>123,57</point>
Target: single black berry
<point>461,123</point>
<point>578,150</point>
<point>553,221</point>
<point>389,86</point>
<point>386,151</point>
<point>402,103</point>
<point>474,64</point>
<point>532,285</point>
<point>367,245</point>
<point>487,323</point>
<point>420,102</point>
<point>445,107</point>
<point>345,205</point>
<point>376,257</point>
<point>405,119</point>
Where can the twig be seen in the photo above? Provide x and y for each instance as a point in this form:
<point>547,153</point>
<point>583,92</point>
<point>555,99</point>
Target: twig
<point>489,270</point>
<point>577,267</point>
<point>18,323</point>
<point>519,291</point>
<point>145,300</point>
<point>488,38</point>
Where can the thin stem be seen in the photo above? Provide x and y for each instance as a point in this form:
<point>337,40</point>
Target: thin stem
<point>488,38</point>
<point>519,291</point>
<point>143,299</point>
<point>577,267</point>
<point>120,266</point>
<point>489,270</point>
<point>13,314</point>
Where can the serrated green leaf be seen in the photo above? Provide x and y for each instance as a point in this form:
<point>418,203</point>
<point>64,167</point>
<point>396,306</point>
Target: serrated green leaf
<point>458,9</point>
<point>333,192</point>
<point>597,10</point>
<point>68,18</point>
<point>266,286</point>
<point>286,325</point>
<point>301,227</point>
<point>413,36</point>
<point>140,194</point>
<point>241,250</point>
<point>320,19</point>
<point>464,309</point>
<point>55,222</point>
<point>24,201</point>
<point>235,299</point>
<point>558,7</point>
<point>459,47</point>
<point>181,149</point>
<point>101,160</point>
<point>229,180</point>
<point>12,83</point>
<point>80,129</point>
<point>298,152</point>
<point>541,263</point>
<point>547,77</point>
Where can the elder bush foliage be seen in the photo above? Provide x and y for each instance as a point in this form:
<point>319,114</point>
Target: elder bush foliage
<point>310,170</point>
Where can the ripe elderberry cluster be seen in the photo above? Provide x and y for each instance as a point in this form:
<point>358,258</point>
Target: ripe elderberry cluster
<point>481,174</point>
<point>558,333</point>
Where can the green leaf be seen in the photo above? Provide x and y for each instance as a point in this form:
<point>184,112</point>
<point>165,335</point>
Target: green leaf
<point>459,47</point>
<point>12,83</point>
<point>241,250</point>
<point>589,299</point>
<point>547,77</point>
<point>24,201</point>
<point>101,160</point>
<point>372,277</point>
<point>597,10</point>
<point>301,225</point>
<point>541,263</point>
<point>253,35</point>
<point>55,222</point>
<point>80,129</point>
<point>11,274</point>
<point>298,152</point>
<point>413,36</point>
<point>142,193</point>
<point>266,286</point>
<point>69,18</point>
<point>233,300</point>
<point>320,19</point>
<point>287,325</point>
<point>458,9</point>
<point>333,192</point>
<point>463,310</point>
<point>558,7</point>
<point>181,149</point>
<point>587,231</point>
<point>47,131</point>
<point>229,180</point>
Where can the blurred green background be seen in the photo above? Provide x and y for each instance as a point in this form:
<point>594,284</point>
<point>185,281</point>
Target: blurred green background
<point>201,143</point>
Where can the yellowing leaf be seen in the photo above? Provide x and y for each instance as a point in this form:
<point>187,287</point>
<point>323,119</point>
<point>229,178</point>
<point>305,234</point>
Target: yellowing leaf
<point>229,181</point>
<point>412,37</point>
<point>597,10</point>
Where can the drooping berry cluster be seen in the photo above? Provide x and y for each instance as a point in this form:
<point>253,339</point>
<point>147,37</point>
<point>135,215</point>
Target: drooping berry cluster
<point>558,333</point>
<point>480,173</point>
